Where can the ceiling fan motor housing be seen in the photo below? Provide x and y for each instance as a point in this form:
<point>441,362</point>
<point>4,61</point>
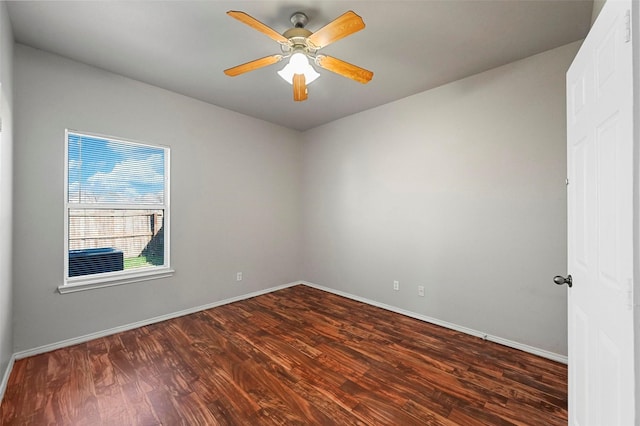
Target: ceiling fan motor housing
<point>297,40</point>
<point>298,34</point>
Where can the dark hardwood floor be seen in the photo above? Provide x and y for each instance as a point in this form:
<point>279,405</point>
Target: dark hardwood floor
<point>296,356</point>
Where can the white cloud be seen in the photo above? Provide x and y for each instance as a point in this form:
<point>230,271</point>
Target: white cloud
<point>147,171</point>
<point>74,192</point>
<point>74,165</point>
<point>132,180</point>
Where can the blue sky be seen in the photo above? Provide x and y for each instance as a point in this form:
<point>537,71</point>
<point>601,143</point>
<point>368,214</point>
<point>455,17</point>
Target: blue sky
<point>107,171</point>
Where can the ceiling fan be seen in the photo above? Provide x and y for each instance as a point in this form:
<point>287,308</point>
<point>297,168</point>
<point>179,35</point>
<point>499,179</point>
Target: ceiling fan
<point>299,45</point>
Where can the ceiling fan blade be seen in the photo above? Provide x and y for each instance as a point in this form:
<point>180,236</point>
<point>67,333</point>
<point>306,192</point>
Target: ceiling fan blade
<point>345,69</point>
<point>257,25</point>
<point>299,87</point>
<point>344,25</point>
<point>253,65</point>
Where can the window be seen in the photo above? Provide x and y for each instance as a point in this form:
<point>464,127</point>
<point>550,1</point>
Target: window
<point>116,211</point>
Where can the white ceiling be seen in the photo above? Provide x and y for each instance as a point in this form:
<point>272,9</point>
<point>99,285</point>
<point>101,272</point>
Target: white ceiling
<point>411,46</point>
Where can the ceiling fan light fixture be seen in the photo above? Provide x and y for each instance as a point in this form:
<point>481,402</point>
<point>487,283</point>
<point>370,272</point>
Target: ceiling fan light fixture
<point>298,64</point>
<point>299,45</point>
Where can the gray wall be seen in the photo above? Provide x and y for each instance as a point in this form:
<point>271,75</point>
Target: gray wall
<point>235,192</point>
<point>6,164</point>
<point>460,189</point>
<point>597,7</point>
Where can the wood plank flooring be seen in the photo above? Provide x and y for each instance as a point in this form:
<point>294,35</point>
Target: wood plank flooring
<point>296,356</point>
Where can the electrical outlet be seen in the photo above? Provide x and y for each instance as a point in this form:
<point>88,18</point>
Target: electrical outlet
<point>396,285</point>
<point>239,276</point>
<point>421,290</point>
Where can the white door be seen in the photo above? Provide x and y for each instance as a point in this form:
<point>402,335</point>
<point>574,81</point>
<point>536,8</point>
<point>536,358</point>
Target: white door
<point>600,219</point>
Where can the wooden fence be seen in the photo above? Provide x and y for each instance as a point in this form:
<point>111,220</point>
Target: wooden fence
<point>131,231</point>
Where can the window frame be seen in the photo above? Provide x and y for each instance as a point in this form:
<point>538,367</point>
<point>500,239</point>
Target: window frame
<point>108,279</point>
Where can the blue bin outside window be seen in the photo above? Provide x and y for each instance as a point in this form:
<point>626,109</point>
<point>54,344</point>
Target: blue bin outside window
<point>95,261</point>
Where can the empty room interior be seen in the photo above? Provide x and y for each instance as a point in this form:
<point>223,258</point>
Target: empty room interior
<point>192,236</point>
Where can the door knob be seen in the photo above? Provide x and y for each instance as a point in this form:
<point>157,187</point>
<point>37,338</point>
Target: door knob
<point>559,279</point>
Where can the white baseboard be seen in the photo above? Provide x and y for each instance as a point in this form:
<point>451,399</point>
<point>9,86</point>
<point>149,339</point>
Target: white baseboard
<point>505,342</point>
<point>85,338</point>
<point>131,326</point>
<point>5,377</point>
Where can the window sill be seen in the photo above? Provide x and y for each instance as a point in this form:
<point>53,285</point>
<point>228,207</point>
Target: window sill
<point>81,284</point>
